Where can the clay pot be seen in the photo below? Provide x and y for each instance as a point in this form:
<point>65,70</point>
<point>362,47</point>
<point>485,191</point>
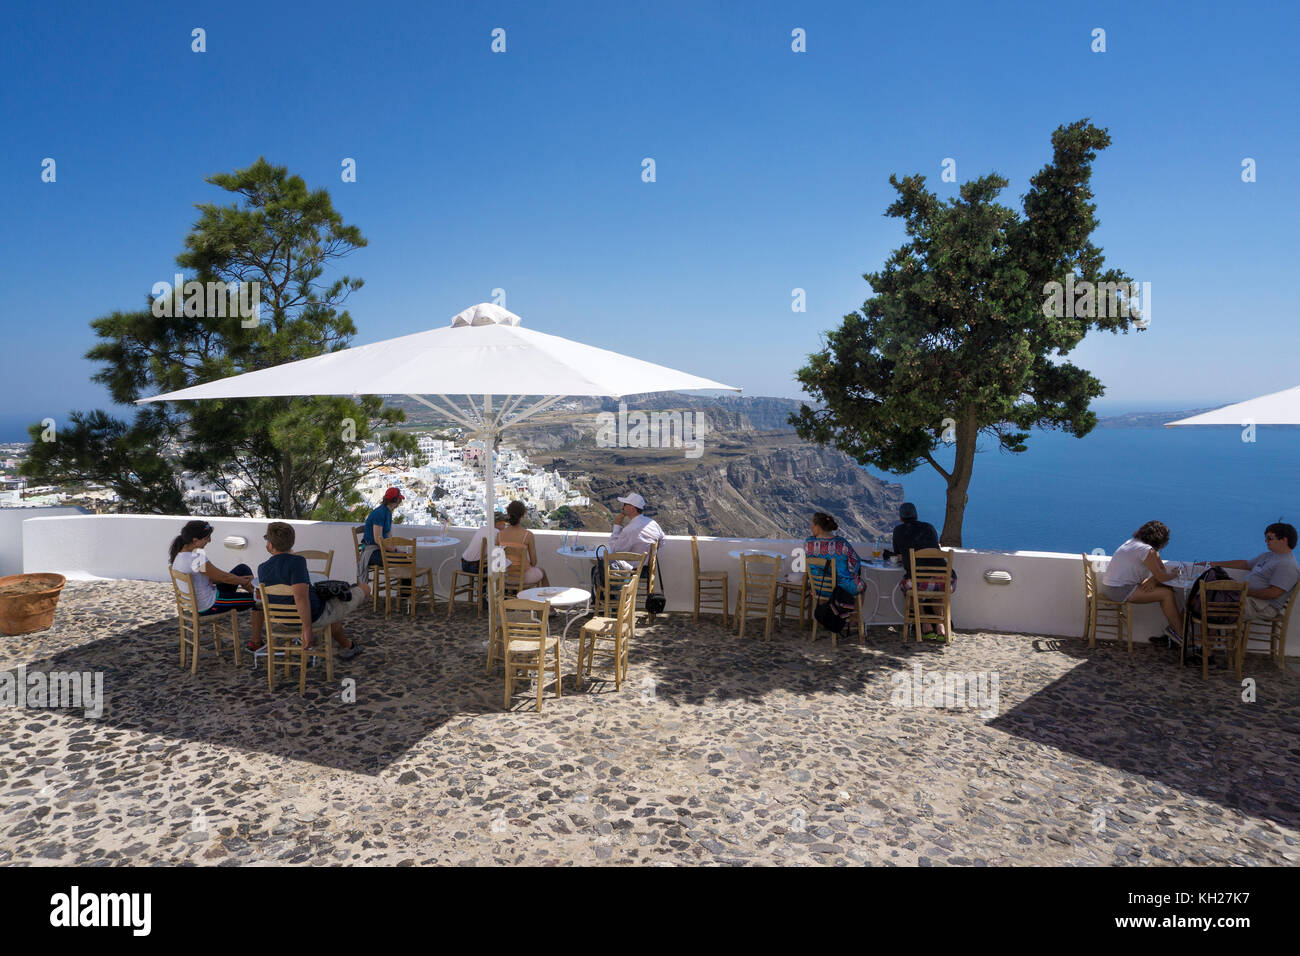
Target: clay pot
<point>30,609</point>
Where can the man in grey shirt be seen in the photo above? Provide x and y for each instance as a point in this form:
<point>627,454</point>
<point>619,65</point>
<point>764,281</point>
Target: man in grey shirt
<point>1273,574</point>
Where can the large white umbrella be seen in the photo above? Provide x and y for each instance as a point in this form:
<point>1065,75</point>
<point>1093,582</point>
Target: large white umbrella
<point>1278,408</point>
<point>484,351</point>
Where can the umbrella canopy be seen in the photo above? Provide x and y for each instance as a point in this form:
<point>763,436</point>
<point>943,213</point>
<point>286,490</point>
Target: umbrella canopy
<point>1279,408</point>
<point>484,351</point>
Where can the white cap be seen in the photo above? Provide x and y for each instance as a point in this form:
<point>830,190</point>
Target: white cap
<point>635,500</point>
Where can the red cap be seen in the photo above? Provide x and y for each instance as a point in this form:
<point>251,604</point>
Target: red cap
<point>392,494</point>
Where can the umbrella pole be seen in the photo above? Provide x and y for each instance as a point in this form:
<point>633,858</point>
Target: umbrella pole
<point>489,493</point>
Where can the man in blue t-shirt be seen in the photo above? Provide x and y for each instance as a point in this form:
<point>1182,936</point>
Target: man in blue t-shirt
<point>285,568</point>
<point>379,525</point>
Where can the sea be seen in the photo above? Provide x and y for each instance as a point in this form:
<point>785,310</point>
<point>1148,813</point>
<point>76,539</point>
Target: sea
<point>1215,491</point>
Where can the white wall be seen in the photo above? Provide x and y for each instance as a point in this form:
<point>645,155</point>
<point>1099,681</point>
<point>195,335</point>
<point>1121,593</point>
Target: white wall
<point>11,533</point>
<point>1045,597</point>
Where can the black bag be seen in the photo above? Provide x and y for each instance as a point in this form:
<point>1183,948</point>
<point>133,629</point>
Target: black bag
<point>655,603</point>
<point>598,572</point>
<point>333,590</point>
<point>1194,597</point>
<point>827,618</point>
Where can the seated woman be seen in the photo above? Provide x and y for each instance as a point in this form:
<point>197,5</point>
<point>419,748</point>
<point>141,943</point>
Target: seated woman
<point>516,534</point>
<point>215,591</point>
<point>1136,574</point>
<point>825,543</point>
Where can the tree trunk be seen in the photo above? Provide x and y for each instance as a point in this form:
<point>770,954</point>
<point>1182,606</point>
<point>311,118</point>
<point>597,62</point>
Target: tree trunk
<point>959,480</point>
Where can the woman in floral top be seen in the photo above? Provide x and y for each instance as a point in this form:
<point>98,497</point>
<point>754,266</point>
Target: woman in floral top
<point>825,543</point>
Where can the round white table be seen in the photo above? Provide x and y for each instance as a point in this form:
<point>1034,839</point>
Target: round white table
<point>433,542</point>
<point>739,553</point>
<point>581,552</point>
<point>562,599</point>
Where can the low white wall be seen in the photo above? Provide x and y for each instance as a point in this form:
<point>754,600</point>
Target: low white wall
<point>1045,597</point>
<point>11,533</point>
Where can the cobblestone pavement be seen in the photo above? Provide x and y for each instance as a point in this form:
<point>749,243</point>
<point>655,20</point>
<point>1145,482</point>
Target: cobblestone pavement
<point>714,752</point>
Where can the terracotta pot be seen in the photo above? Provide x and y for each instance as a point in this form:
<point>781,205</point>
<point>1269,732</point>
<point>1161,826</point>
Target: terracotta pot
<point>31,610</point>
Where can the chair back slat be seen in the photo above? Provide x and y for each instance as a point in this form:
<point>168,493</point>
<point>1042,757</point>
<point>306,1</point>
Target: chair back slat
<point>535,627</point>
<point>279,612</point>
<point>759,570</point>
<point>821,577</point>
<point>397,553</point>
<point>325,556</point>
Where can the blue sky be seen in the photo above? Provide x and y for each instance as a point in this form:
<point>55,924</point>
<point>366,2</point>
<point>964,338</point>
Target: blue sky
<point>522,170</point>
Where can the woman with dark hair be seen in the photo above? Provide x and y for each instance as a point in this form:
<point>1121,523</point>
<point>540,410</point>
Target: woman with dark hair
<point>825,543</point>
<point>215,591</point>
<point>1136,575</point>
<point>516,534</point>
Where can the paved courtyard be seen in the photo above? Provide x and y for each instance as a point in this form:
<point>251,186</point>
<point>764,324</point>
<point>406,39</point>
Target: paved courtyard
<point>714,752</point>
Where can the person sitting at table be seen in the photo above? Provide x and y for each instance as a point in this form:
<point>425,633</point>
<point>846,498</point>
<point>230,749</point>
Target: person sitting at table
<point>215,591</point>
<point>825,543</point>
<point>634,532</point>
<point>469,558</point>
<point>912,534</point>
<point>379,525</point>
<point>285,568</point>
<point>1136,575</point>
<point>1273,574</point>
<point>515,533</point>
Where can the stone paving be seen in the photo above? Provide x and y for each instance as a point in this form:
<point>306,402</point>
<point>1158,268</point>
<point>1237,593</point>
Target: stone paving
<point>714,752</point>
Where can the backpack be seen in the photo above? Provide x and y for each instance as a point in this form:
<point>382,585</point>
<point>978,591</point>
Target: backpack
<point>1194,597</point>
<point>333,590</point>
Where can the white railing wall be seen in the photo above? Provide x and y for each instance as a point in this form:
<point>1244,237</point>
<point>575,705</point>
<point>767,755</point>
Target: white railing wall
<point>1044,598</point>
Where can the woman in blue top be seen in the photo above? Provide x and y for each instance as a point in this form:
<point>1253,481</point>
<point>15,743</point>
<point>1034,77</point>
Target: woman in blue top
<point>825,543</point>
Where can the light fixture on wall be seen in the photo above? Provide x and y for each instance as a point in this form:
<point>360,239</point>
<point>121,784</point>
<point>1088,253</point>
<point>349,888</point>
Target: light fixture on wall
<point>997,577</point>
<point>235,542</point>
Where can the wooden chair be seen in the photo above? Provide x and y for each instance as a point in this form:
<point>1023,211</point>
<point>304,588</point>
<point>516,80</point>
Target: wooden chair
<point>610,635</point>
<point>711,592</point>
<point>930,607</point>
<point>652,576</point>
<point>820,582</point>
<point>801,592</point>
<point>1274,631</point>
<point>1100,612</point>
<point>758,574</point>
<point>473,583</point>
<point>283,638</point>
<point>326,556</point>
<point>606,600</point>
<point>372,572</point>
<point>527,645</point>
<point>189,619</point>
<point>512,578</point>
<point>400,569</point>
<point>1222,622</point>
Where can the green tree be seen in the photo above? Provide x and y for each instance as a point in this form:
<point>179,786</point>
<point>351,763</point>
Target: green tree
<point>962,335</point>
<point>281,457</point>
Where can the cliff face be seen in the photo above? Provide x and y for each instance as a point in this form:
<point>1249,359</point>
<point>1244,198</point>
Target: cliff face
<point>766,487</point>
<point>754,479</point>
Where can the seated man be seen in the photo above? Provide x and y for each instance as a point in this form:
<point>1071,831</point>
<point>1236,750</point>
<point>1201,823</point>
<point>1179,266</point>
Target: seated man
<point>379,525</point>
<point>1273,574</point>
<point>285,568</point>
<point>912,534</point>
<point>633,531</point>
<point>469,558</point>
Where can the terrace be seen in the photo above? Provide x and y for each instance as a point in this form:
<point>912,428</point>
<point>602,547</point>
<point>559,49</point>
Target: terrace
<point>714,751</point>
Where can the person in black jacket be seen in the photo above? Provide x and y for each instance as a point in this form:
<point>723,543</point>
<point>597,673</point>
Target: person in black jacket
<point>913,534</point>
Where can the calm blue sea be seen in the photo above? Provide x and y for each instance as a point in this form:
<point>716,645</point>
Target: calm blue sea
<point>1214,491</point>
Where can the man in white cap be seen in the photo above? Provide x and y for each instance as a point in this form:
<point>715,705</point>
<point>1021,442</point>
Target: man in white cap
<point>633,531</point>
